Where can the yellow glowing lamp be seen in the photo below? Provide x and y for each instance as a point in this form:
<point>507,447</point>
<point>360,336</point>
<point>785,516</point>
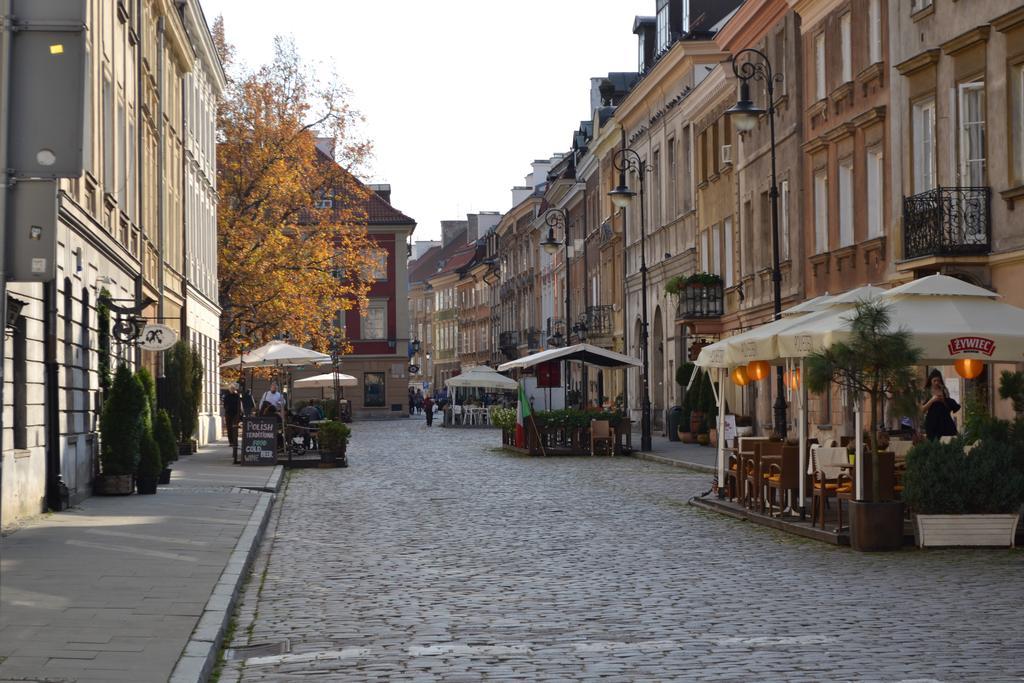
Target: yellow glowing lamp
<point>739,376</point>
<point>757,370</point>
<point>792,379</point>
<point>56,49</point>
<point>968,368</point>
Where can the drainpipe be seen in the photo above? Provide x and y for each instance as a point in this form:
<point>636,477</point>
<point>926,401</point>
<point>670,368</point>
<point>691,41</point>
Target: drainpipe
<point>5,79</point>
<point>160,28</point>
<point>140,166</point>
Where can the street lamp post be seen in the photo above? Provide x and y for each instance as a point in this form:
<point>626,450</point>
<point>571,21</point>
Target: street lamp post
<point>745,115</point>
<point>628,159</point>
<point>560,217</point>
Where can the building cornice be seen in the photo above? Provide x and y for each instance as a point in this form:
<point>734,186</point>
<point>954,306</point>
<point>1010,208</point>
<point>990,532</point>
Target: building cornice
<point>202,40</point>
<point>174,30</point>
<point>1009,21</point>
<point>813,12</point>
<point>750,24</point>
<point>966,40</point>
<point>919,62</point>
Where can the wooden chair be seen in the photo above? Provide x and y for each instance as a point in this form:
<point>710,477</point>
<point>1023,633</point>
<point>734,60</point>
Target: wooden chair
<point>783,476</point>
<point>601,436</point>
<point>732,476</point>
<point>825,465</point>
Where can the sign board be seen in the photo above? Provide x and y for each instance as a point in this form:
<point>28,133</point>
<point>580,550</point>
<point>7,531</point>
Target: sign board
<point>157,337</point>
<point>47,88</point>
<point>259,440</point>
<point>31,234</point>
<point>730,430</point>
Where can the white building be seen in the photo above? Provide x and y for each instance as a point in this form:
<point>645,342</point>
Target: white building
<point>203,87</point>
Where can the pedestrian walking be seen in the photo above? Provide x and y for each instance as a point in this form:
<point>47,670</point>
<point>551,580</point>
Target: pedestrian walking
<point>232,415</point>
<point>412,401</point>
<point>247,403</point>
<point>938,411</point>
<point>428,408</point>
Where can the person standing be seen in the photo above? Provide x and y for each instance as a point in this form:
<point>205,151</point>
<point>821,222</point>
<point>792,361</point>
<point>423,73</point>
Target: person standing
<point>428,408</point>
<point>938,410</point>
<point>232,415</point>
<point>247,403</point>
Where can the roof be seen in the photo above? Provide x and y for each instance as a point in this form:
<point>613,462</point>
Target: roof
<point>380,212</point>
<point>425,265</point>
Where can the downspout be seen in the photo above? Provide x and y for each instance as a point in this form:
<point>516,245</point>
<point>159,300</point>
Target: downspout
<point>5,79</point>
<point>140,168</point>
<point>160,28</point>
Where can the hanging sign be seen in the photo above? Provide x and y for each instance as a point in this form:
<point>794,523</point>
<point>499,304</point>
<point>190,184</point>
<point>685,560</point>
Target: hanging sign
<point>156,337</point>
<point>259,440</point>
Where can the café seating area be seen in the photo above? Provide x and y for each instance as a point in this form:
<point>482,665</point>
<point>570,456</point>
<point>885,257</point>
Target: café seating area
<point>762,484</point>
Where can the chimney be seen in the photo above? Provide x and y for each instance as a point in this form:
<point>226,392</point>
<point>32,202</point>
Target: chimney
<point>520,193</point>
<point>451,231</point>
<point>383,191</point>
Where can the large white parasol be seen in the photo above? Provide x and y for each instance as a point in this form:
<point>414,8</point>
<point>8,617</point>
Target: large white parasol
<point>326,380</point>
<point>277,354</point>
<point>482,377</point>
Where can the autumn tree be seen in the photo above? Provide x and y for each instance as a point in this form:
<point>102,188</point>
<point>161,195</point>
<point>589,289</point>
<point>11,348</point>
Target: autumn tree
<point>285,263</point>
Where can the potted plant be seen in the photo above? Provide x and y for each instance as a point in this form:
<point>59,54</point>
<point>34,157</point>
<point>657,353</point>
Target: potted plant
<point>878,362</point>
<point>964,497</point>
<point>121,429</point>
<point>674,285</point>
<point>333,437</point>
<point>150,465</point>
<point>164,435</point>
<point>182,399</point>
<point>683,374</point>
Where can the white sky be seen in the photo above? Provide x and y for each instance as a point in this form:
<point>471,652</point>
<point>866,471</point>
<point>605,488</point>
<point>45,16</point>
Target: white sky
<point>459,95</point>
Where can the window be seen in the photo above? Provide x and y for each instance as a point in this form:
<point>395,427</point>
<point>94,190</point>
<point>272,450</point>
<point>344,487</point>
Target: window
<point>687,175</point>
<point>671,184</point>
<point>784,220</point>
<point>656,186</point>
<point>972,134</point>
<point>380,265</point>
<point>874,204</point>
<point>918,5</point>
<point>727,229</point>
<point>704,255</point>
<point>820,211</point>
<point>1017,125</point>
<point>19,360</point>
<point>373,389</point>
<point>324,203</point>
<point>874,31</point>
<point>109,178</point>
<point>847,47</point>
<point>664,37</point>
<point>374,323</point>
<point>819,66</point>
<point>716,250</point>
<point>846,203</point>
<point>924,145</point>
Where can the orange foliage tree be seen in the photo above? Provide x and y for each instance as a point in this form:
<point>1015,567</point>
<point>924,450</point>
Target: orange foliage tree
<point>285,264</point>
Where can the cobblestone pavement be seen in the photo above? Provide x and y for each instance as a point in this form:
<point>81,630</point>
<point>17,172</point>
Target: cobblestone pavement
<point>438,557</point>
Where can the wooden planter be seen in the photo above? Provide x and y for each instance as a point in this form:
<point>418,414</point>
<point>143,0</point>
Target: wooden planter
<point>936,531</point>
<point>876,526</point>
<point>113,485</point>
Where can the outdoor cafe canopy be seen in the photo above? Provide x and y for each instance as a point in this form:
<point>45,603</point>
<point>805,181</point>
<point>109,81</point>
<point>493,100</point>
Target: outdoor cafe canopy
<point>482,377</point>
<point>592,355</point>
<point>277,354</point>
<point>326,380</point>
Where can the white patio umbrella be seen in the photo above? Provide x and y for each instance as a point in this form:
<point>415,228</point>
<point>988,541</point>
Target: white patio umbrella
<point>483,377</point>
<point>277,354</point>
<point>326,380</point>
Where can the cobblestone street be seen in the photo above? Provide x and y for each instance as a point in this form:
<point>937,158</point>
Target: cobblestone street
<point>437,556</point>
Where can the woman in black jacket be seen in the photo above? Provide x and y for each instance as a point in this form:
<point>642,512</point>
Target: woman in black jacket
<point>938,410</point>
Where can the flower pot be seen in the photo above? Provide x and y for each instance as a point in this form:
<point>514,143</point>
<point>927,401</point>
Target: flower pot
<point>165,476</point>
<point>713,437</point>
<point>696,417</point>
<point>146,485</point>
<point>876,526</point>
<point>686,437</point>
<point>936,531</point>
<point>185,448</point>
<point>113,485</point>
<point>193,446</point>
<point>703,439</point>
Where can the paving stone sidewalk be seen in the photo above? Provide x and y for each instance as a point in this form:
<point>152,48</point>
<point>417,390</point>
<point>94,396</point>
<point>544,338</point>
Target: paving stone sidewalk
<point>113,589</point>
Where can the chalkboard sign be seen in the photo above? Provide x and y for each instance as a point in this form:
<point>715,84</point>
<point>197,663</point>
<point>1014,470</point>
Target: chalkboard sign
<point>259,440</point>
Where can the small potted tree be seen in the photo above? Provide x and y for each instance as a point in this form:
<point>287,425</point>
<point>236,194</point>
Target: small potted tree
<point>876,361</point>
<point>121,429</point>
<point>164,435</point>
<point>333,437</point>
<point>182,404</point>
<point>149,464</point>
<point>683,374</point>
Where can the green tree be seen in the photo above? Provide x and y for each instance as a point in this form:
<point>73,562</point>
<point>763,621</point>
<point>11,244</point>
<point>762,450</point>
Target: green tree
<point>179,377</point>
<point>163,432</point>
<point>876,361</point>
<point>122,424</point>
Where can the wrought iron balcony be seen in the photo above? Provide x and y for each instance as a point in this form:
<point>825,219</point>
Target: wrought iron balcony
<point>698,300</point>
<point>947,221</point>
<point>555,332</point>
<point>599,320</point>
<point>508,340</point>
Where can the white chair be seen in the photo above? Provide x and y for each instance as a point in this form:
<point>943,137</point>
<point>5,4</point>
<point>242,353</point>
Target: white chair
<point>456,414</point>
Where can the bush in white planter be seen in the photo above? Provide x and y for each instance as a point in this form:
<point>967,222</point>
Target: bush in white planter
<point>964,497</point>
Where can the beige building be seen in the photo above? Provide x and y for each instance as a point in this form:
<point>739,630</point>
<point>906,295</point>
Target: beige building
<point>122,228</point>
<point>957,120</point>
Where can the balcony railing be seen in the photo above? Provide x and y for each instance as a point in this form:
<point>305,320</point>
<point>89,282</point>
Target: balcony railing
<point>701,301</point>
<point>599,320</point>
<point>555,332</point>
<point>508,344</point>
<point>947,221</point>
<point>532,339</point>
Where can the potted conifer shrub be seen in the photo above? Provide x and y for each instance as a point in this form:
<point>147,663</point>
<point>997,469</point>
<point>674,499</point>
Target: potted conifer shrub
<point>164,435</point>
<point>875,361</point>
<point>121,429</point>
<point>149,464</point>
<point>333,437</point>
<point>182,393</point>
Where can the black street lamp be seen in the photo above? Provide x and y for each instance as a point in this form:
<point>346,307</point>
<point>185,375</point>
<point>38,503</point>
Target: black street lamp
<point>560,217</point>
<point>745,115</point>
<point>628,159</point>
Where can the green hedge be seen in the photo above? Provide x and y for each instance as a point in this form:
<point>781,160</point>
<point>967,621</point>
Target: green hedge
<point>122,424</point>
<point>946,479</point>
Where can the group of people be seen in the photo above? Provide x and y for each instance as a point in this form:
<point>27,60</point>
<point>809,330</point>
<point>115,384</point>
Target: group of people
<point>238,403</point>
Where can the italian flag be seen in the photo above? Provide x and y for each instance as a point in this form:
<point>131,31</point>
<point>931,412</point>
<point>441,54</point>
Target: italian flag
<point>521,415</point>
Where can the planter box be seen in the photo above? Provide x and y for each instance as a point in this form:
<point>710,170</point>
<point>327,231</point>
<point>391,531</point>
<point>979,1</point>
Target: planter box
<point>876,526</point>
<point>935,531</point>
<point>114,485</point>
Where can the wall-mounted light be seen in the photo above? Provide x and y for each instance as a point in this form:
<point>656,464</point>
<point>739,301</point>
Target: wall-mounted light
<point>14,308</point>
